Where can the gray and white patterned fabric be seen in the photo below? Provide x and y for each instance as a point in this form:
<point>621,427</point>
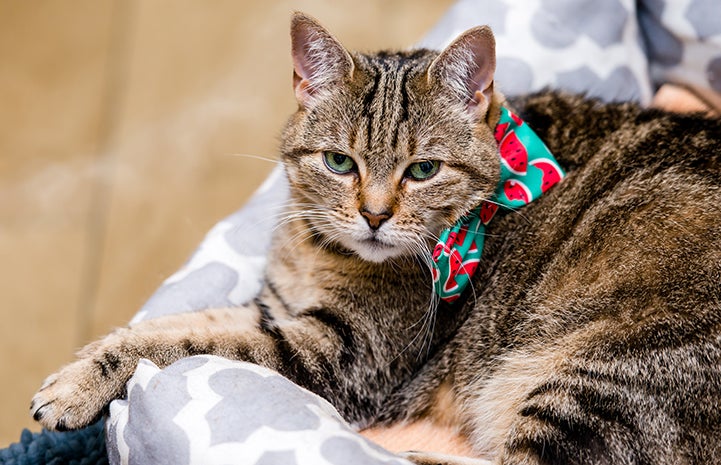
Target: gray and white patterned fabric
<point>179,416</point>
<point>586,46</point>
<point>207,410</point>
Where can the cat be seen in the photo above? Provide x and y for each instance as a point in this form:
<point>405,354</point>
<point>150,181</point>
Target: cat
<point>591,330</point>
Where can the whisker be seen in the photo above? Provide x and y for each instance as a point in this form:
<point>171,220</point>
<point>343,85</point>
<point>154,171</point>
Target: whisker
<point>427,321</point>
<point>257,157</point>
<point>516,210</point>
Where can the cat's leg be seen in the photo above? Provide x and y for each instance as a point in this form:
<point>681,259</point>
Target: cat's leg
<point>604,398</point>
<point>542,407</point>
<point>305,350</point>
<point>77,394</point>
<point>579,416</point>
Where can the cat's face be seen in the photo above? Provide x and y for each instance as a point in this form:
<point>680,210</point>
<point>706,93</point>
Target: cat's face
<point>386,150</point>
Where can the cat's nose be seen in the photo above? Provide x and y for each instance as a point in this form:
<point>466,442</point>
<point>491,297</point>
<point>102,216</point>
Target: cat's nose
<point>375,220</point>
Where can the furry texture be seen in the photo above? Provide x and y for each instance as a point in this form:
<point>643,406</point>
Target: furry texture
<point>592,332</point>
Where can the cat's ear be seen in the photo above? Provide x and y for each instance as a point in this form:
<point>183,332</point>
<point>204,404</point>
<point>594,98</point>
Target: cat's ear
<point>466,67</point>
<point>319,60</point>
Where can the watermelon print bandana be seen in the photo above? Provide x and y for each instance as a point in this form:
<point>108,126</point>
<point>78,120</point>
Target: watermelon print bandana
<point>527,170</point>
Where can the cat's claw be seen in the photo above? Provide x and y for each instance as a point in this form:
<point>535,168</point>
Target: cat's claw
<point>69,399</point>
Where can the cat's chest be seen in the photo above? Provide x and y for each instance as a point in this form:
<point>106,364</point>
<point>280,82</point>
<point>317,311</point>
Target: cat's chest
<point>311,278</point>
<point>299,282</point>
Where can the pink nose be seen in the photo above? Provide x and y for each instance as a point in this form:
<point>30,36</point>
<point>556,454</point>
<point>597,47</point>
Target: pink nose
<point>375,220</point>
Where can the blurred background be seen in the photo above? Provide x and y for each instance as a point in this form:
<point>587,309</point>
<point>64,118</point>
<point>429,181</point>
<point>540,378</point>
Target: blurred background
<point>125,133</point>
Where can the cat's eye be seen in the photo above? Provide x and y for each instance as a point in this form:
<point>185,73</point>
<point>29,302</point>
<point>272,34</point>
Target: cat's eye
<point>338,163</point>
<point>423,169</point>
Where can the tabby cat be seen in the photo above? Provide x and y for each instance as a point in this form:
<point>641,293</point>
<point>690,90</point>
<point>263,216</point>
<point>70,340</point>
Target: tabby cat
<point>591,332</point>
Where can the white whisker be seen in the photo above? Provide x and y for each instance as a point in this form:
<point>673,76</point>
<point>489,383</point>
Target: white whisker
<point>257,157</point>
<point>516,210</point>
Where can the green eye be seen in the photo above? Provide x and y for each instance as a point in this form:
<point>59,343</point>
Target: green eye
<point>423,169</point>
<point>338,163</point>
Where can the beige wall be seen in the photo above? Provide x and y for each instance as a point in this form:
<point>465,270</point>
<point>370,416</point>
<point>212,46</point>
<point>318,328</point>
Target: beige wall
<point>123,129</point>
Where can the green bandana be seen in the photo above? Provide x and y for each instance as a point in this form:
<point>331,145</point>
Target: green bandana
<point>458,252</point>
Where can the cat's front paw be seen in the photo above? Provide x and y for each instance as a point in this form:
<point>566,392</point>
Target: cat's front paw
<point>74,397</point>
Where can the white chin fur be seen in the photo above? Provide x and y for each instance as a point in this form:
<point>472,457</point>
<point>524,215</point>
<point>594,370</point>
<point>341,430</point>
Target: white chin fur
<point>360,240</point>
<point>372,251</point>
<point>376,253</point>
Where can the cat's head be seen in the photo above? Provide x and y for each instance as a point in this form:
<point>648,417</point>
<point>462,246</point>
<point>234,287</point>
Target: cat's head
<point>388,149</point>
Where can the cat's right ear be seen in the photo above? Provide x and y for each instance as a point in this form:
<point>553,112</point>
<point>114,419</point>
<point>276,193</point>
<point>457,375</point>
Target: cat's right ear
<point>319,60</point>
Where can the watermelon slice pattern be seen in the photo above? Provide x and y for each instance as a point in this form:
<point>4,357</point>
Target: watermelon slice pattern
<point>460,251</point>
<point>513,154</point>
<point>457,254</point>
<point>515,190</point>
<point>551,172</point>
<point>488,209</point>
<point>501,129</point>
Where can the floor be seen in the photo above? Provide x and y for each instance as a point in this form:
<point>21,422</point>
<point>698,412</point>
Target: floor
<point>127,129</point>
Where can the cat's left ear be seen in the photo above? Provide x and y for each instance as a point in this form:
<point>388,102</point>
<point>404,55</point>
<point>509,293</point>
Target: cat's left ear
<point>467,67</point>
<point>319,60</point>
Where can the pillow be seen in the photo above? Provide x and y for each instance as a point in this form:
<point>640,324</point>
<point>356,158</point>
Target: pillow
<point>208,410</point>
<point>588,46</point>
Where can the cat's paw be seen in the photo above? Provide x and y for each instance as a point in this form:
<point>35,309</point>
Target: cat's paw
<point>74,397</point>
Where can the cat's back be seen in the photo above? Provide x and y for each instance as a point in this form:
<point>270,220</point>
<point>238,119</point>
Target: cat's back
<point>636,221</point>
<point>577,129</point>
<point>602,299</point>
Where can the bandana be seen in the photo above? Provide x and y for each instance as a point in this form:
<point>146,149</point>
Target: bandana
<point>527,170</point>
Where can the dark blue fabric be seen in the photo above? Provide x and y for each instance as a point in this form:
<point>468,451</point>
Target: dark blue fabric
<point>81,447</point>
